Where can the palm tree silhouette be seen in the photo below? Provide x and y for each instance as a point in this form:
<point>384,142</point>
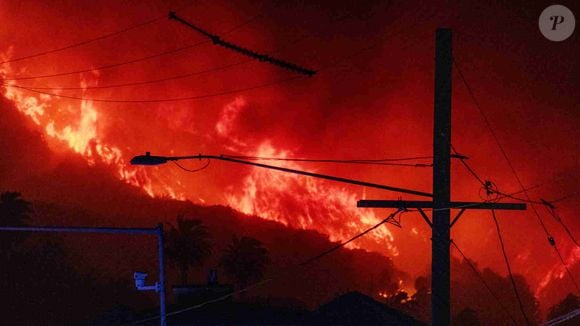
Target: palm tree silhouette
<point>188,244</point>
<point>244,260</point>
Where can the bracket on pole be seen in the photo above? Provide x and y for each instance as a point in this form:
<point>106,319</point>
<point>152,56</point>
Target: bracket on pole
<point>425,217</point>
<point>457,217</point>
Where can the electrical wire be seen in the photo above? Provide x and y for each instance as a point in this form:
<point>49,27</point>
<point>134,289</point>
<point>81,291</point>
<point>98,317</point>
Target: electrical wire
<point>149,81</point>
<point>512,195</point>
<point>557,200</point>
<point>95,39</point>
<point>306,263</point>
<point>362,161</point>
<point>287,271</point>
<point>334,64</point>
<point>162,100</point>
<point>480,277</point>
<point>467,166</point>
<point>235,28</point>
<point>326,160</point>
<point>126,62</point>
<point>552,212</point>
<point>550,238</point>
<point>109,66</point>
<point>495,137</point>
<point>493,188</point>
<point>142,82</point>
<point>344,243</point>
<point>178,99</point>
<point>489,186</point>
<point>567,269</point>
<point>217,40</point>
<point>550,209</point>
<point>507,262</point>
<point>192,170</point>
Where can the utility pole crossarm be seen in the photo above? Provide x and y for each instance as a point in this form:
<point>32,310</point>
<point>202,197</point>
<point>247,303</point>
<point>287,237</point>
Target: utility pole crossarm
<point>429,204</point>
<point>441,203</point>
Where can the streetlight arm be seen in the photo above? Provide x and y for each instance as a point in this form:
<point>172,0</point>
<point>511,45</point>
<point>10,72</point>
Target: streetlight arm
<point>149,159</point>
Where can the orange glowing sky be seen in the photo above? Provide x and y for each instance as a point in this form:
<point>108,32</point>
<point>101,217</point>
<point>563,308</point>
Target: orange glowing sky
<point>372,99</point>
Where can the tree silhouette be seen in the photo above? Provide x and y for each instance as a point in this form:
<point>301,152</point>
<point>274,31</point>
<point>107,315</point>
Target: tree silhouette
<point>467,317</point>
<point>14,211</point>
<point>244,260</point>
<point>188,244</point>
<point>568,304</point>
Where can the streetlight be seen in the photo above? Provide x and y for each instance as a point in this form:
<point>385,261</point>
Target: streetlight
<point>149,159</point>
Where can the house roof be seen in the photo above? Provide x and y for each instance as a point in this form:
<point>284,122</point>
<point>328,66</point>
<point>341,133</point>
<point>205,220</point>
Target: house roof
<point>355,308</point>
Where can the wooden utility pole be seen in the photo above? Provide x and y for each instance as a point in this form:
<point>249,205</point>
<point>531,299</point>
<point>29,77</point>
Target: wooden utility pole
<point>441,204</point>
<point>441,180</point>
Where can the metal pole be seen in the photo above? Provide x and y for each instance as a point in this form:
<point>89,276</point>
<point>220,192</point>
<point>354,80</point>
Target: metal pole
<point>72,229</point>
<point>160,245</point>
<point>440,266</point>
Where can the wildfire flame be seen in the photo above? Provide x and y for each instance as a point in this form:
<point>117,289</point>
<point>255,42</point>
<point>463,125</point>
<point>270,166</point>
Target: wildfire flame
<point>558,271</point>
<point>77,129</point>
<point>305,203</point>
<point>295,201</point>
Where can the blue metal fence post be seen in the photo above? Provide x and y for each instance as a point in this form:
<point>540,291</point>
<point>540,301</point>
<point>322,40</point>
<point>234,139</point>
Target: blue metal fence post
<point>161,275</point>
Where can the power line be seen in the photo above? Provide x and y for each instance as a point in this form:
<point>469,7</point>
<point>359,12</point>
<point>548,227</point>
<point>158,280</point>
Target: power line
<point>509,268</point>
<point>142,82</point>
<point>361,161</point>
<point>552,212</point>
<point>187,98</point>
<point>280,274</point>
<point>235,28</point>
<point>550,238</point>
<point>495,137</point>
<point>304,263</point>
<point>466,165</point>
<point>109,66</point>
<point>151,81</point>
<point>247,52</point>
<point>126,62</point>
<point>344,243</point>
<point>192,170</point>
<point>167,78</point>
<point>488,186</point>
<point>480,277</point>
<point>576,193</point>
<point>548,206</point>
<point>95,39</point>
<point>566,267</point>
<point>326,160</point>
<point>70,46</point>
<point>162,100</point>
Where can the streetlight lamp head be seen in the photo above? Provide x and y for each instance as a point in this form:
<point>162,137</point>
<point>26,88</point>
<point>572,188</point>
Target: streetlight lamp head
<point>148,159</point>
